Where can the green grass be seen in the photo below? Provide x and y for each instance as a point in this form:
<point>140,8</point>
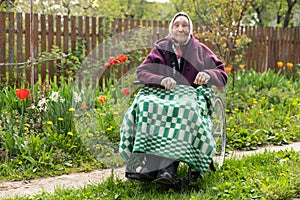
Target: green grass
<point>271,175</point>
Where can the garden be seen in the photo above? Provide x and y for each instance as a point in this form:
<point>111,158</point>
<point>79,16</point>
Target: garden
<point>67,120</point>
<point>50,130</point>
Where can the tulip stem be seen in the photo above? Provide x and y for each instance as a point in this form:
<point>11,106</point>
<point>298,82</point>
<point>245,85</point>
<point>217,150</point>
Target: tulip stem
<point>22,118</point>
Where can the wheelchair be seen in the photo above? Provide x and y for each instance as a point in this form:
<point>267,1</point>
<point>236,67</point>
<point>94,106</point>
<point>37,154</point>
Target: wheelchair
<point>218,133</point>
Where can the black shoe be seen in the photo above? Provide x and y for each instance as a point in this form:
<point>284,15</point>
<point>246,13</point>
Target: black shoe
<point>166,178</point>
<point>212,166</point>
<point>138,177</point>
<point>142,176</point>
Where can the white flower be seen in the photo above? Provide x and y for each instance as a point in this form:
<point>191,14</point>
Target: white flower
<point>42,104</point>
<point>54,96</point>
<point>77,97</point>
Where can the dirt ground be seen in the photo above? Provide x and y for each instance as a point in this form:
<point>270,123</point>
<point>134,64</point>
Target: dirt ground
<point>77,180</point>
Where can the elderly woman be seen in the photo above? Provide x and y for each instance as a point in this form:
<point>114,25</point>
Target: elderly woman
<point>169,121</point>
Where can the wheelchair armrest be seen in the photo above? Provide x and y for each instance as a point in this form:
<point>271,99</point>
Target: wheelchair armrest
<point>138,83</point>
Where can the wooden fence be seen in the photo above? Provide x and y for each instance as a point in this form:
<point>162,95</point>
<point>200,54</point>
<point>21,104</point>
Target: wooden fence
<point>268,45</point>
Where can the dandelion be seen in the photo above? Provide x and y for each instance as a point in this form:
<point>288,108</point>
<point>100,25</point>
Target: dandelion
<point>26,129</point>
<point>90,134</point>
<point>71,109</point>
<point>170,190</point>
<point>279,64</point>
<point>254,101</point>
<point>70,133</point>
<point>60,119</point>
<point>54,96</point>
<point>49,122</point>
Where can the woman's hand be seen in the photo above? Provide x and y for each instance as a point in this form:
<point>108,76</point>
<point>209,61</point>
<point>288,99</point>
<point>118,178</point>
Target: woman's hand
<point>201,78</point>
<point>168,83</point>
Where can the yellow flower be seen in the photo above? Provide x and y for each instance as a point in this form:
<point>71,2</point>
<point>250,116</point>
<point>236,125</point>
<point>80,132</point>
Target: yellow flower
<point>20,163</point>
<point>101,99</point>
<point>241,66</point>
<point>289,65</point>
<point>72,109</point>
<point>279,64</point>
<point>49,122</point>
<point>26,125</point>
<point>107,154</point>
<point>70,133</point>
<point>60,119</point>
<point>26,129</point>
<point>170,190</point>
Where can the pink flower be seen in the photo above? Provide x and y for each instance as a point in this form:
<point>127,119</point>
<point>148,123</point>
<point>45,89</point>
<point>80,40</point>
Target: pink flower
<point>106,66</point>
<point>113,61</point>
<point>125,91</point>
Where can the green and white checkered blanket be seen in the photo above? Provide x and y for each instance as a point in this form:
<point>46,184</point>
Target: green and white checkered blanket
<point>174,123</point>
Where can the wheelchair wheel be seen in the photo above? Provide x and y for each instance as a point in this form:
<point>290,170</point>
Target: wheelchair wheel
<point>219,130</point>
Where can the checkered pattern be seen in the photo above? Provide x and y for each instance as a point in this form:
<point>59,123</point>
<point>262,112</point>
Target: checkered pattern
<point>171,123</point>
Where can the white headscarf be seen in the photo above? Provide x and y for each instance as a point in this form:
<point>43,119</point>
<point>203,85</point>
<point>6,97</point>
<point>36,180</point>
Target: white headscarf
<point>172,21</point>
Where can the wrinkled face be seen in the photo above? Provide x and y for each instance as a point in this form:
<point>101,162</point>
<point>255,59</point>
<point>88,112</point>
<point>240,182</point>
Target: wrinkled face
<point>181,29</point>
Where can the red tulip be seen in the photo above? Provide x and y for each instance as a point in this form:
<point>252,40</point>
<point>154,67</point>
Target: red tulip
<point>125,91</point>
<point>22,93</point>
<point>113,61</point>
<point>122,58</point>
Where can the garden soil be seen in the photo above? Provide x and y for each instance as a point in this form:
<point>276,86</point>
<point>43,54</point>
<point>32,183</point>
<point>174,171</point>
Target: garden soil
<point>77,180</point>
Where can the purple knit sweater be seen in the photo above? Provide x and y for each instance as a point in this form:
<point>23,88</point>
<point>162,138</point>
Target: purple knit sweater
<point>196,58</point>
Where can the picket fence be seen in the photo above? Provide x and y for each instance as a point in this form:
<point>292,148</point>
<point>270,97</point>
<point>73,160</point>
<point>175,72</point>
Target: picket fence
<point>18,41</point>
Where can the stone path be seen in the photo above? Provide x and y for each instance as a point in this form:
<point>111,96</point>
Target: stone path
<point>77,180</point>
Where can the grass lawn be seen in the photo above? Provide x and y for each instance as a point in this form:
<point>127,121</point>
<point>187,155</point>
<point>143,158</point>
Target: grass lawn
<point>271,175</point>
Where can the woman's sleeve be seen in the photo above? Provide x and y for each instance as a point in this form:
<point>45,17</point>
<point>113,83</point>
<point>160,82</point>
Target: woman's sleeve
<point>149,71</point>
<point>215,68</point>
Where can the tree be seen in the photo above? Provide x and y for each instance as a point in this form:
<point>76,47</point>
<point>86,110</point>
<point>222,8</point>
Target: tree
<point>7,5</point>
<point>278,13</point>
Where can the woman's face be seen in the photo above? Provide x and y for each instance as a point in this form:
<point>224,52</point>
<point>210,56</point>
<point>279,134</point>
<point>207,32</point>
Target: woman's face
<point>181,29</point>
